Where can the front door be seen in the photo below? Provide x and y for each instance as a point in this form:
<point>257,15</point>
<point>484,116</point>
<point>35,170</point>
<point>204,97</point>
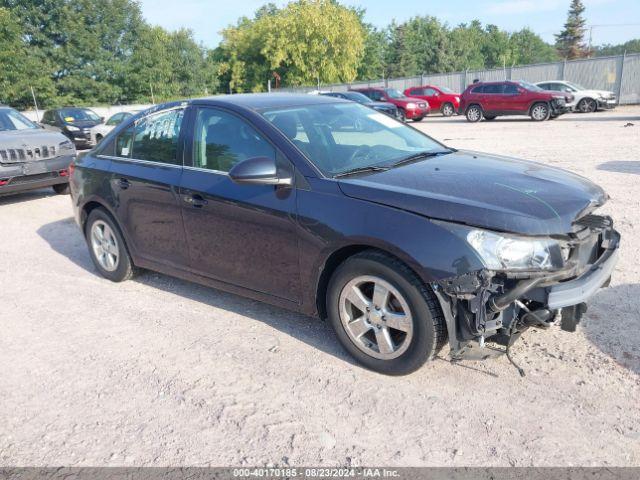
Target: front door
<point>243,235</point>
<point>145,177</point>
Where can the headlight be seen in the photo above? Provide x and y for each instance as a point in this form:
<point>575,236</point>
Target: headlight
<point>507,252</point>
<point>411,106</point>
<point>458,99</point>
<point>71,128</point>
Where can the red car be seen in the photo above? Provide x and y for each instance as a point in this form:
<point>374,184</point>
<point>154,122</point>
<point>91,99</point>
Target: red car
<point>409,108</point>
<point>439,98</point>
<point>489,100</point>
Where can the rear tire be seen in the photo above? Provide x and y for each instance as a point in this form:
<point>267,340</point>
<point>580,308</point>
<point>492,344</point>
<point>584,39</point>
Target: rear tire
<point>373,279</point>
<point>474,113</point>
<point>61,188</point>
<point>107,247</point>
<point>540,112</point>
<point>448,110</point>
<point>488,118</point>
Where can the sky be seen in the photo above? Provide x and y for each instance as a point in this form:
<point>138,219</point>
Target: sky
<point>611,18</point>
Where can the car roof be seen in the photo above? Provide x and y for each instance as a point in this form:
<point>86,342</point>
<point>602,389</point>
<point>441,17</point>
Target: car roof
<point>261,101</point>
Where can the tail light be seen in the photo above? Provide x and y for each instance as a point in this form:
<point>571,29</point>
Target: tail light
<point>3,181</point>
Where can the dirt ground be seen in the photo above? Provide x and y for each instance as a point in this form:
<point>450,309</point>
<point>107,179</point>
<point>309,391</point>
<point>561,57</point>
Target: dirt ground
<point>159,372</point>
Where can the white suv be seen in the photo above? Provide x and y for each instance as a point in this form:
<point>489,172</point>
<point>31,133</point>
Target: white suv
<point>585,100</point>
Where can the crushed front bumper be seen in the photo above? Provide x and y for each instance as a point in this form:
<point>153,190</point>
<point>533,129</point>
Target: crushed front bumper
<point>500,306</point>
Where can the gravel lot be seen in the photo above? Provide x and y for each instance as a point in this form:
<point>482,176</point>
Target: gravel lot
<point>162,372</point>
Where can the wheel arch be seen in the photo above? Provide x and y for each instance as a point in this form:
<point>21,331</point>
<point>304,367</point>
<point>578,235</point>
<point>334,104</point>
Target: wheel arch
<point>536,102</point>
<point>94,203</point>
<point>339,256</point>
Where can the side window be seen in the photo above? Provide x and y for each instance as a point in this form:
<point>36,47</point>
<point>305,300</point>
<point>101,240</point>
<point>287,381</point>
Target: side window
<point>114,120</point>
<point>479,89</point>
<point>155,138</point>
<point>510,89</point>
<point>545,86</point>
<point>416,91</point>
<point>429,92</point>
<point>222,140</point>
<point>374,95</point>
<point>493,88</point>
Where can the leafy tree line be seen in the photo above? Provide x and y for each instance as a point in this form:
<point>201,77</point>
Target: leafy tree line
<point>75,52</point>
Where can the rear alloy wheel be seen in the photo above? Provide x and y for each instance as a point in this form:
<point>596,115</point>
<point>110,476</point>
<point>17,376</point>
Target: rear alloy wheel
<point>107,247</point>
<point>474,113</point>
<point>383,315</point>
<point>448,110</point>
<point>540,112</point>
<point>587,105</point>
<point>61,188</point>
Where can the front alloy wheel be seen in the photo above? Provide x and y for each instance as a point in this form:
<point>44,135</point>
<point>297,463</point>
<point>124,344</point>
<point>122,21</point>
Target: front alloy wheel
<point>587,105</point>
<point>376,317</point>
<point>540,112</point>
<point>447,110</point>
<point>383,314</point>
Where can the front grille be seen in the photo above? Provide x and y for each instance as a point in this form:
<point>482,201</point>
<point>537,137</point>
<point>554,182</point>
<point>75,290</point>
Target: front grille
<point>29,154</point>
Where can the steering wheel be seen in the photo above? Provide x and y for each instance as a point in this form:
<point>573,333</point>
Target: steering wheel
<point>361,151</point>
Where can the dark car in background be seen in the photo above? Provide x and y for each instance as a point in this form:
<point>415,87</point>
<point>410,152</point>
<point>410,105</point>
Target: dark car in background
<point>441,99</point>
<point>400,241</point>
<point>31,157</point>
<point>409,108</point>
<point>384,107</point>
<point>489,100</point>
<point>73,122</point>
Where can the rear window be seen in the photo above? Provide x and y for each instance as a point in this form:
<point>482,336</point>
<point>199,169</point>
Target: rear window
<point>478,89</point>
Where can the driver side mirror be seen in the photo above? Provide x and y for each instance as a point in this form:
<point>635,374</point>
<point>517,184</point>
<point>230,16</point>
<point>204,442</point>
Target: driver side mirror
<point>258,171</point>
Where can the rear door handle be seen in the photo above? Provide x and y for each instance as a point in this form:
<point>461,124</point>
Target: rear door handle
<point>195,201</point>
<point>123,183</point>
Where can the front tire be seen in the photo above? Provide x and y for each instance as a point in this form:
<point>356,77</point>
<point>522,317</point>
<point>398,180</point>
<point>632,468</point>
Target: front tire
<point>448,110</point>
<point>474,113</point>
<point>540,112</point>
<point>107,247</point>
<point>587,105</point>
<point>61,188</point>
<point>383,314</point>
<point>402,116</point>
<point>418,120</point>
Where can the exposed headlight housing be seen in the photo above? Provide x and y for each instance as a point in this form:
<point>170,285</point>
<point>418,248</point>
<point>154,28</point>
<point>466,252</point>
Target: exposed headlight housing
<point>515,253</point>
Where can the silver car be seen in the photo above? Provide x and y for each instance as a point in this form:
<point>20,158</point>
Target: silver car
<point>585,100</point>
<point>31,157</point>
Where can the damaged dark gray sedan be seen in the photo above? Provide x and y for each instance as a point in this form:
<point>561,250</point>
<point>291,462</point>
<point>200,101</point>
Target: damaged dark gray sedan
<point>329,208</point>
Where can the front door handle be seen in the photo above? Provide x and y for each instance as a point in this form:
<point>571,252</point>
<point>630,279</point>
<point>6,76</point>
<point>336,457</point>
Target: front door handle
<point>123,183</point>
<point>195,201</point>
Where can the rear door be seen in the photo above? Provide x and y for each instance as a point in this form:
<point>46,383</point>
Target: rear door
<point>146,171</point>
<point>243,235</point>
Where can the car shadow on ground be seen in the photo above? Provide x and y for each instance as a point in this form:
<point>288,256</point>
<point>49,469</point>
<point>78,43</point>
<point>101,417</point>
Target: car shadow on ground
<point>12,198</point>
<point>600,117</point>
<point>64,237</point>
<point>612,324</point>
<point>620,166</point>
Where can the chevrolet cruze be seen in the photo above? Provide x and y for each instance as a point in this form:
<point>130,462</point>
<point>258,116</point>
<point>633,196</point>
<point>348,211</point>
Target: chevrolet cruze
<point>328,208</point>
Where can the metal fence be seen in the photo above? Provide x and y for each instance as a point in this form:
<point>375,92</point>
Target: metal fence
<point>620,74</point>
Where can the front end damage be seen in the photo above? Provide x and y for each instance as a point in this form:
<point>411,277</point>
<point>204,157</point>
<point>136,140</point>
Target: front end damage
<point>498,306</point>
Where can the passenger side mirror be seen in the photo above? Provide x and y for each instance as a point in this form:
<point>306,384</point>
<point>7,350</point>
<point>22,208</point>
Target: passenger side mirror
<point>258,171</point>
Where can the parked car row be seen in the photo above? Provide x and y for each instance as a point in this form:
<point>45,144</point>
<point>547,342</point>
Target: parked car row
<point>485,100</point>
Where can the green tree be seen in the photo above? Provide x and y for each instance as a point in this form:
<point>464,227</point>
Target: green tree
<point>304,42</point>
<point>527,48</point>
<point>570,41</point>
<point>373,65</point>
<point>17,67</point>
<point>632,46</point>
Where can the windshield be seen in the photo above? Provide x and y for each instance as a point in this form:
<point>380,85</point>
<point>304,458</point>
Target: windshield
<point>393,93</point>
<point>531,87</point>
<point>358,97</point>
<point>71,115</point>
<point>575,85</point>
<point>446,90</point>
<point>341,137</point>
<point>12,120</point>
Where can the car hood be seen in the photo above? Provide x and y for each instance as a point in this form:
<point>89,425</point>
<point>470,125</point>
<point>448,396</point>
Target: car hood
<point>28,138</point>
<point>492,192</point>
<point>595,93</point>
<point>382,104</point>
<point>406,100</point>
<point>84,123</point>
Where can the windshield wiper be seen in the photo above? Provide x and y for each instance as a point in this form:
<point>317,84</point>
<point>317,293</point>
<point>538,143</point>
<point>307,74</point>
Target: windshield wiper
<point>420,156</point>
<point>353,171</point>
